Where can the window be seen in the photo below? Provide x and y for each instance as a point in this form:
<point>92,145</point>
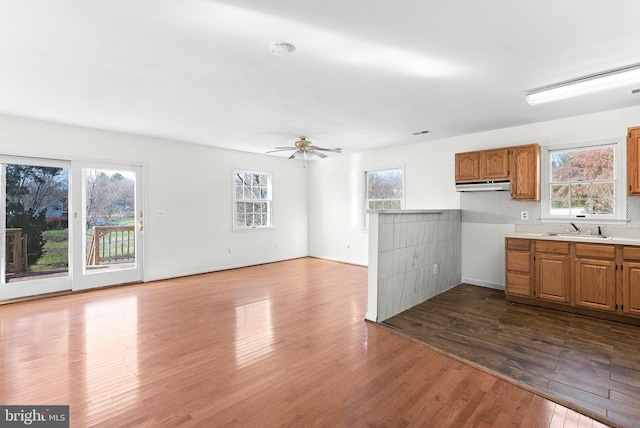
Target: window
<point>585,182</point>
<point>252,193</point>
<point>384,190</point>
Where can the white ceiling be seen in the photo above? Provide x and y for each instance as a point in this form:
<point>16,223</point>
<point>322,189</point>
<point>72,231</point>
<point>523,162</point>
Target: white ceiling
<point>365,74</point>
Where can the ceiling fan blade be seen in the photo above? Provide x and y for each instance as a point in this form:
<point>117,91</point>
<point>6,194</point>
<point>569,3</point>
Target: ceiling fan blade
<point>338,150</point>
<point>281,149</point>
<point>285,148</point>
<point>320,155</point>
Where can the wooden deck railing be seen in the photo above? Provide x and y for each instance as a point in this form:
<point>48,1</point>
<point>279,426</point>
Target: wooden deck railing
<point>111,244</point>
<point>16,251</point>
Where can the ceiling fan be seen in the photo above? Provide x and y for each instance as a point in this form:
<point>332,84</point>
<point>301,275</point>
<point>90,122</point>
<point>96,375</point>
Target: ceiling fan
<point>305,149</point>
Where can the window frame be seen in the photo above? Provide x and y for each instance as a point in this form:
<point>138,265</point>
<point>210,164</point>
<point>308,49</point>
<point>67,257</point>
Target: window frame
<point>619,180</point>
<point>236,200</point>
<point>365,200</point>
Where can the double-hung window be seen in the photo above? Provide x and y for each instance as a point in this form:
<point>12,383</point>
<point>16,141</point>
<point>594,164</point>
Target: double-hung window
<point>384,190</point>
<point>252,199</point>
<point>585,181</point>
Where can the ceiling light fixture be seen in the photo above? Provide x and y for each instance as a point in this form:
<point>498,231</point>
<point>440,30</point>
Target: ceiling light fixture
<point>282,48</point>
<point>590,84</point>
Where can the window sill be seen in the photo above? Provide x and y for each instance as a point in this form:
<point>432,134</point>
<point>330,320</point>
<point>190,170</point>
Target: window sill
<point>253,229</point>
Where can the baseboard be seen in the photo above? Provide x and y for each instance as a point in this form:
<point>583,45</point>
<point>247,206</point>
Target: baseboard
<point>483,283</point>
<point>218,268</point>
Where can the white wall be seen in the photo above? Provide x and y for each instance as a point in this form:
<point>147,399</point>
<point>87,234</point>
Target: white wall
<point>336,190</point>
<point>337,185</point>
<point>193,184</point>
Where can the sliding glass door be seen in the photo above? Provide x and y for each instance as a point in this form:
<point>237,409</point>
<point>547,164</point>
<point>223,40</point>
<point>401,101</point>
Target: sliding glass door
<point>68,226</point>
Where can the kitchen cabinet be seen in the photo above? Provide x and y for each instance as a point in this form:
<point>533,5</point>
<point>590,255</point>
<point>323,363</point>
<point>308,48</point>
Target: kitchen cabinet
<point>631,281</point>
<point>467,166</point>
<point>633,161</point>
<point>553,273</point>
<point>518,263</point>
<point>482,165</point>
<point>494,164</point>
<point>595,276</point>
<point>601,280</point>
<point>520,165</point>
<point>525,173</point>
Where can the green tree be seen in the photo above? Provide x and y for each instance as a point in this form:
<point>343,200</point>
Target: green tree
<point>29,189</point>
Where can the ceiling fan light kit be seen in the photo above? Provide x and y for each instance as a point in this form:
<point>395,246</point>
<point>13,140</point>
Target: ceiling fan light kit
<point>611,79</point>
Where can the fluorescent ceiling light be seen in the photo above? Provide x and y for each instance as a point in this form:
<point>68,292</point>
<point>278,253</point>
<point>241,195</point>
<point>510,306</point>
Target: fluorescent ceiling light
<point>593,83</point>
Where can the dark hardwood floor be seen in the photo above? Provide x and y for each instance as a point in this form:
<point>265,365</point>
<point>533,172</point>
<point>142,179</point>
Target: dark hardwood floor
<point>283,344</point>
<point>587,364</point>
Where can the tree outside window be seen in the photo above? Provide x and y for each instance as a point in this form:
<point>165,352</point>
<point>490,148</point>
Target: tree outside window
<point>582,181</point>
<point>384,190</point>
<point>252,193</point>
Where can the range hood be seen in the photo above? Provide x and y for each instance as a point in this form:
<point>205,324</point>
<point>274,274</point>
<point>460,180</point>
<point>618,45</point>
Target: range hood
<point>483,186</point>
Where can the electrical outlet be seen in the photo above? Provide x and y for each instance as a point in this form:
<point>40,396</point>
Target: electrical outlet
<point>435,268</point>
<point>229,250</point>
<point>524,215</point>
<point>348,246</point>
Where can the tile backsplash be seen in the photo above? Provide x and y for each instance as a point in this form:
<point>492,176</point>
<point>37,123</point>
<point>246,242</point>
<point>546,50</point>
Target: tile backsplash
<point>498,208</point>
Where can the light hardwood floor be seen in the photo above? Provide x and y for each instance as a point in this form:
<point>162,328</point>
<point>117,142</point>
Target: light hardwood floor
<point>283,344</point>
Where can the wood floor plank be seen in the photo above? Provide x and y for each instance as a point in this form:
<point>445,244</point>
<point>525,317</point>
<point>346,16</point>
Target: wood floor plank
<point>281,344</point>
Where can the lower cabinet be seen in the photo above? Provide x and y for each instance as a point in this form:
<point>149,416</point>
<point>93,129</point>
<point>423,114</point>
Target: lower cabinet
<point>518,265</point>
<point>599,278</point>
<point>595,280</point>
<point>553,271</point>
<point>631,288</point>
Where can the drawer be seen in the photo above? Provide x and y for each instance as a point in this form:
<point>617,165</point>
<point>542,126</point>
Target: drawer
<point>518,261</point>
<point>554,247</point>
<point>596,250</point>
<point>518,284</point>
<point>518,244</point>
<point>631,253</point>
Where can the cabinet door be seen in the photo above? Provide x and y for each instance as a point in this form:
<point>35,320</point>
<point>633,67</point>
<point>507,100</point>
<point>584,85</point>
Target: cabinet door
<point>494,164</point>
<point>631,288</point>
<point>633,159</point>
<point>552,277</point>
<point>467,166</point>
<point>525,173</point>
<point>595,284</point>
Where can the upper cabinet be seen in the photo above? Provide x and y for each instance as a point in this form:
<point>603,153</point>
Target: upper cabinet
<point>520,165</point>
<point>482,165</point>
<point>467,166</point>
<point>525,173</point>
<point>494,164</point>
<point>633,159</point>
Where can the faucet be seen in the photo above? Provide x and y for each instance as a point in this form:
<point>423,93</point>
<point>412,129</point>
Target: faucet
<point>575,227</point>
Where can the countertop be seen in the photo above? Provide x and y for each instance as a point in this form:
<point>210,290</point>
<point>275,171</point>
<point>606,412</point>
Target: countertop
<point>592,239</point>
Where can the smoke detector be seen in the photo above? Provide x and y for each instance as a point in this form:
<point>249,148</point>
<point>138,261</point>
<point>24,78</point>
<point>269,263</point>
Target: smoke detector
<point>282,48</point>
